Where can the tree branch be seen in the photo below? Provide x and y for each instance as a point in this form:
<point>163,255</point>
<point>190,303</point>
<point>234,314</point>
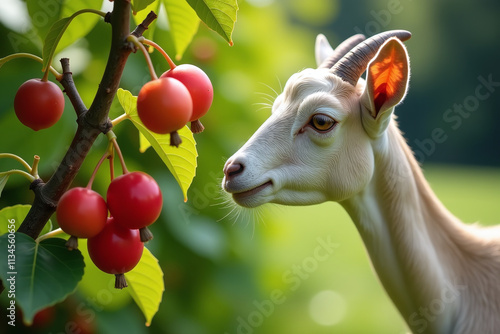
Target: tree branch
<point>70,88</point>
<point>91,123</point>
<point>141,28</point>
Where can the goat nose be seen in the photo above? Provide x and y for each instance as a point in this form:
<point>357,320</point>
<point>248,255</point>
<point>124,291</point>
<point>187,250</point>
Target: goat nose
<point>232,169</point>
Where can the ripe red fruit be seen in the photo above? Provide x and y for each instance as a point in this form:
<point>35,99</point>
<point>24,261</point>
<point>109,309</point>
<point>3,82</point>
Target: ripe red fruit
<point>39,104</point>
<point>134,200</point>
<point>44,318</point>
<point>198,85</point>
<point>82,212</point>
<point>116,250</point>
<point>164,105</point>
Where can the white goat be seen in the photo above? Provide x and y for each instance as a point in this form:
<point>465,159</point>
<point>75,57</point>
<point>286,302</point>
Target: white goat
<point>332,137</point>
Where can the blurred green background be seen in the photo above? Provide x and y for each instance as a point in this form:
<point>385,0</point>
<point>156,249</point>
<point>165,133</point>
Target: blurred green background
<point>222,267</point>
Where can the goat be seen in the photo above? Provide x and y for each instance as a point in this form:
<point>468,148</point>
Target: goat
<point>332,136</point>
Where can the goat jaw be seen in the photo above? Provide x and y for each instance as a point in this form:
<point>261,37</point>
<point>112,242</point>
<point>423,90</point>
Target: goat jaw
<point>250,197</point>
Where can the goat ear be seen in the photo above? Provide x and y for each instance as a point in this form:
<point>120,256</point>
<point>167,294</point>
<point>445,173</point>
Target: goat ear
<point>386,84</point>
<point>322,49</point>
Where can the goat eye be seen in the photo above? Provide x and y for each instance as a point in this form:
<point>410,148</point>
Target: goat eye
<point>322,123</point>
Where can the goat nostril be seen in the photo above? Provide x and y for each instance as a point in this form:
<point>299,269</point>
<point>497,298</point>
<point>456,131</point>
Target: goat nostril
<point>233,169</point>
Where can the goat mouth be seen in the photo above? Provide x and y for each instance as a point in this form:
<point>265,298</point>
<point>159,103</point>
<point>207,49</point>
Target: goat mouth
<point>248,193</point>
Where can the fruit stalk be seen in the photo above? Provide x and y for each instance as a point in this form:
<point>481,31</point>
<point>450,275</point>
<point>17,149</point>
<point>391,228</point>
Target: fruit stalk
<point>132,39</point>
<point>91,124</point>
<point>164,54</point>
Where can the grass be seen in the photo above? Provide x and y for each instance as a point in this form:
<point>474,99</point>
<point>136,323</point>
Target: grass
<point>291,238</point>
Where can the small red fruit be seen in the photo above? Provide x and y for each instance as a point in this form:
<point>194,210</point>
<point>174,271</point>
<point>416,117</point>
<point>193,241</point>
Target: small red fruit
<point>116,250</point>
<point>199,86</point>
<point>39,104</point>
<point>82,212</point>
<point>164,105</point>
<point>134,200</point>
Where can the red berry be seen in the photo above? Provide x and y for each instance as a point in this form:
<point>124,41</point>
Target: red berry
<point>39,104</point>
<point>116,250</point>
<point>164,105</point>
<point>44,318</point>
<point>82,212</point>
<point>198,85</point>
<point>134,200</point>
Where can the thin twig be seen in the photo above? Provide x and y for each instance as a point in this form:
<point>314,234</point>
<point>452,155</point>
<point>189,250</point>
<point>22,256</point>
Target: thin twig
<point>141,28</point>
<point>70,88</point>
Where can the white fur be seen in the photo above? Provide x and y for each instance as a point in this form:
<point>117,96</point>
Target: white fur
<point>442,275</point>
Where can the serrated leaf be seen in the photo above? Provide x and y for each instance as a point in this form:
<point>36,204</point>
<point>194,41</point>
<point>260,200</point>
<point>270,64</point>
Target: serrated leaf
<point>141,15</point>
<point>181,161</point>
<point>43,273</point>
<point>145,285</point>
<point>81,24</point>
<point>3,181</point>
<point>139,5</point>
<point>17,213</point>
<point>183,22</point>
<point>219,15</point>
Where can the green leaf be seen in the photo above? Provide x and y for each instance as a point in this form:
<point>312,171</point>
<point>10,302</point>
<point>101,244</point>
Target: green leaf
<point>140,16</point>
<point>41,275</point>
<point>51,44</point>
<point>3,182</point>
<point>53,36</point>
<point>219,15</point>
<point>183,23</point>
<point>43,14</point>
<point>145,285</point>
<point>139,5</point>
<point>180,161</point>
<point>17,213</point>
<point>81,24</point>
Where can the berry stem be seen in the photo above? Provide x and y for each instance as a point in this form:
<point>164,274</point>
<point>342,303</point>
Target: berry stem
<point>157,47</point>
<point>17,158</point>
<point>20,172</point>
<point>111,166</point>
<point>33,57</point>
<point>135,41</point>
<point>119,119</point>
<point>112,139</point>
<point>94,173</point>
<point>34,169</point>
<point>50,234</point>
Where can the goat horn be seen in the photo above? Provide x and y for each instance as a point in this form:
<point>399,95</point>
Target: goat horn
<point>341,50</point>
<point>354,63</point>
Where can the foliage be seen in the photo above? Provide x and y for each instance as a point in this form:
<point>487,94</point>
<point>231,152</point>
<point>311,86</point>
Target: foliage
<point>43,272</point>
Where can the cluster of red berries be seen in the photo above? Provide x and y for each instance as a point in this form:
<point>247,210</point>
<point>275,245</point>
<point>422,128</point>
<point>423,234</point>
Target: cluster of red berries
<point>182,94</point>
<point>39,104</point>
<point>115,243</point>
